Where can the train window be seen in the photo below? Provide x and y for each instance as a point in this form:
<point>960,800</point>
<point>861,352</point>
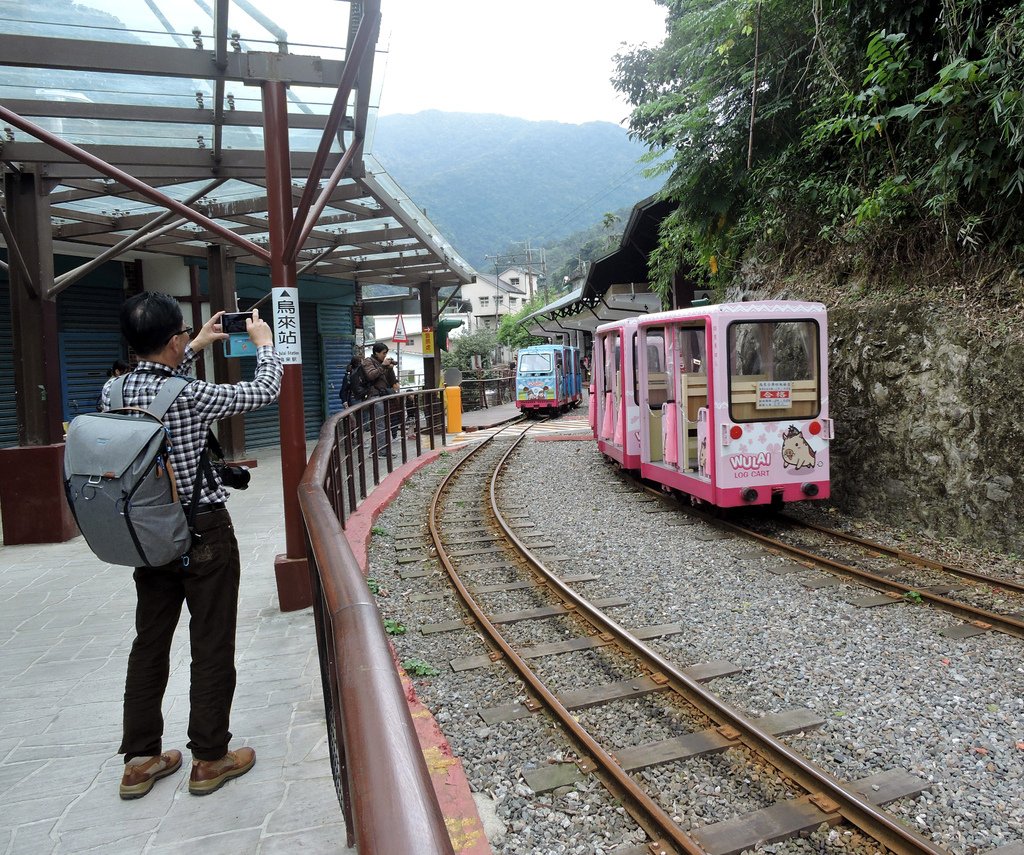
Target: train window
<point>773,370</point>
<point>535,362</point>
<point>691,350</point>
<point>613,376</point>
<point>611,365</point>
<point>659,385</point>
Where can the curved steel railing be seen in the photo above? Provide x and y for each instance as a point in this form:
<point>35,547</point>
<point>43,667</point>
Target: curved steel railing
<point>379,772</point>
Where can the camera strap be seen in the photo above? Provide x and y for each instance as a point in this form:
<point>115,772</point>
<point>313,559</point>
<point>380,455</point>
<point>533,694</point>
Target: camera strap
<point>213,444</point>
<point>204,472</point>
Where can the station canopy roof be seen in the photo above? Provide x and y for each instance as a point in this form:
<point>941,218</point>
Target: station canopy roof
<point>615,286</point>
<point>170,93</point>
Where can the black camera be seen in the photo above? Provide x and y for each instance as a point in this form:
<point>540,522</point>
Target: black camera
<point>234,322</point>
<point>235,477</point>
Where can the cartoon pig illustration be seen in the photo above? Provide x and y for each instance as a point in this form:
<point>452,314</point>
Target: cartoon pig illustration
<point>796,451</point>
<point>702,457</point>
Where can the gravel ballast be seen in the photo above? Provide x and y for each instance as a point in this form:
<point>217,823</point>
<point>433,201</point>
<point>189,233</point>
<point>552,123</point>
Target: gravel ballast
<point>892,691</point>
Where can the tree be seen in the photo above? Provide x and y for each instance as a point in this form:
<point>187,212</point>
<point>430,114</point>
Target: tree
<point>874,123</point>
<point>608,222</point>
<point>512,334</point>
<point>462,349</point>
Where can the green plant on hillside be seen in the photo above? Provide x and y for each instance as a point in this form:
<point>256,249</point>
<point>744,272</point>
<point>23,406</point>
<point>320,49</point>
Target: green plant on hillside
<point>879,125</point>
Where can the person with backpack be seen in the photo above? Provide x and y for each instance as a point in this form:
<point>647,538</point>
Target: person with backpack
<point>353,387</point>
<point>206,579</point>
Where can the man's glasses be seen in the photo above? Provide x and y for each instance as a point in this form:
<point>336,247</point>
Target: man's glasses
<point>184,331</point>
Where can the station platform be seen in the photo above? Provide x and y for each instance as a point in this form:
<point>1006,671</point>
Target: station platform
<point>66,626</point>
<point>489,417</point>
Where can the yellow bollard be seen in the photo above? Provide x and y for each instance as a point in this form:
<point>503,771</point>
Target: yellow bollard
<point>453,404</point>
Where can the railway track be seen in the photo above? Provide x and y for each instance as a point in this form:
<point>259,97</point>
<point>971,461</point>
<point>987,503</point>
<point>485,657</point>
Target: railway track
<point>492,558</point>
<point>984,601</point>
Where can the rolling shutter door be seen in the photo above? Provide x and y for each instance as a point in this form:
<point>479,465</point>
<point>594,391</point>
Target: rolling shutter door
<point>89,333</point>
<point>337,345</point>
<point>312,371</point>
<point>8,404</point>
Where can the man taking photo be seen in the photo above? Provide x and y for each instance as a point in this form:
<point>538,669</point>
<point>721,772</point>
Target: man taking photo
<point>377,380</point>
<point>207,578</point>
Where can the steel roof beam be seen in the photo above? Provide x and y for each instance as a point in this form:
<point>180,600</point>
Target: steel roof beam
<point>14,251</point>
<point>200,161</point>
<point>172,115</point>
<point>297,237</point>
<point>66,280</point>
<point>81,188</point>
<point>156,61</point>
<point>363,42</point>
<point>69,150</point>
<point>175,248</point>
<point>375,189</point>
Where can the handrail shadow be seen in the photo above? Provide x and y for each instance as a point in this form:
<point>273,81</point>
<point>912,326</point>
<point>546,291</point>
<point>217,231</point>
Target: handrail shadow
<point>381,778</point>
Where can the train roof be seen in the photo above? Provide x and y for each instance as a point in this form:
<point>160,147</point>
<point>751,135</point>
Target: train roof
<point>764,308</point>
<point>538,348</point>
<point>759,308</point>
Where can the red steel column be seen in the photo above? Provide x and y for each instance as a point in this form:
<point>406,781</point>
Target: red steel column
<point>293,590</point>
<point>32,504</point>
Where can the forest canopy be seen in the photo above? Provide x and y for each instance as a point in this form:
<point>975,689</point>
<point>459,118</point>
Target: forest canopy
<point>890,130</point>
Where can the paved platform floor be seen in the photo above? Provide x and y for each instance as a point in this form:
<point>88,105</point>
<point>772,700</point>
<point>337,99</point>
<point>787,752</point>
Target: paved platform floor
<point>66,625</point>
<point>490,417</point>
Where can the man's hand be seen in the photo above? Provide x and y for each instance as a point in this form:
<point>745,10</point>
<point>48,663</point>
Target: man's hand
<point>259,331</point>
<point>209,333</point>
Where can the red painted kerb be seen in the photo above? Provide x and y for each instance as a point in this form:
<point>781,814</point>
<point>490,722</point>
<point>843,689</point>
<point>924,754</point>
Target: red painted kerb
<point>446,772</point>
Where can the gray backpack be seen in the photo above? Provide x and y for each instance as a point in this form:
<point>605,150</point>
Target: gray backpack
<point>119,482</point>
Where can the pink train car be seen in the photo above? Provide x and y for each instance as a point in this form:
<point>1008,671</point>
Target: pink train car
<point>727,404</point>
<point>614,408</point>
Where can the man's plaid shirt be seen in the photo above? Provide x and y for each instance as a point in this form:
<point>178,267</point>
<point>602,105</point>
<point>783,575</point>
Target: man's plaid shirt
<point>198,406</point>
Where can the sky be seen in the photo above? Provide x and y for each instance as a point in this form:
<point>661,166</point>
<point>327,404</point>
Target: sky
<point>534,59</point>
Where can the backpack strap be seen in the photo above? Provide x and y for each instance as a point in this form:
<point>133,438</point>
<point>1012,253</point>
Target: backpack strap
<point>168,394</point>
<point>117,393</point>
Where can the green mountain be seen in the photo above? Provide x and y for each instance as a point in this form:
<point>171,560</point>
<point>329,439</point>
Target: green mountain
<point>488,180</point>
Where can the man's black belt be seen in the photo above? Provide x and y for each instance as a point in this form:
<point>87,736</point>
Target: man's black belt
<point>207,508</point>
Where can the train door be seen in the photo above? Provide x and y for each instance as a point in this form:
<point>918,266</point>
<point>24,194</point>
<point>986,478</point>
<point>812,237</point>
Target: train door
<point>692,372</point>
<point>574,376</point>
<point>558,357</point>
<point>656,398</point>
<point>611,385</point>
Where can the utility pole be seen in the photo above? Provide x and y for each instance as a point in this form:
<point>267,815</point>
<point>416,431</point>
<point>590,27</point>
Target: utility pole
<point>498,260</point>
<point>531,291</point>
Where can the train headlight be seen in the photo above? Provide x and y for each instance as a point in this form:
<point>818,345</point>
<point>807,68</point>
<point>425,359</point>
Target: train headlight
<point>749,494</point>
<point>809,489</point>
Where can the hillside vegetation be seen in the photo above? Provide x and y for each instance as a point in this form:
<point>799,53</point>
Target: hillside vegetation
<point>486,180</point>
<point>886,140</point>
